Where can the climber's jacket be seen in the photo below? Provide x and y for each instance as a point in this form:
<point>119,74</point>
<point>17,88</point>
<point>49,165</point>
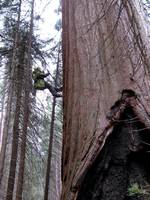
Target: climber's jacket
<point>41,84</point>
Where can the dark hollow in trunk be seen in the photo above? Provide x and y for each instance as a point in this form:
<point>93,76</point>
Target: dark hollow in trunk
<point>122,170</point>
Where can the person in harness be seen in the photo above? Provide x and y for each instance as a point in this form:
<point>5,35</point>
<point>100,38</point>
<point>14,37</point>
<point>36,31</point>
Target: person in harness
<point>40,84</point>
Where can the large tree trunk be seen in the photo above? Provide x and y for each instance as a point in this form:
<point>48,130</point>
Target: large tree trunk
<point>105,56</point>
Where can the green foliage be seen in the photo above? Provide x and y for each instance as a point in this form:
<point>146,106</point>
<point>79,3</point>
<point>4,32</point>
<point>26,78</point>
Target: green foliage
<point>134,189</point>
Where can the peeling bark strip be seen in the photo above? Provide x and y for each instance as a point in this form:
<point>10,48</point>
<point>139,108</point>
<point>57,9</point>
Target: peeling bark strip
<point>102,55</point>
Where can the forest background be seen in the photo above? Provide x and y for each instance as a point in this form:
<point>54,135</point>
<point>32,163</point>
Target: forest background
<point>31,30</point>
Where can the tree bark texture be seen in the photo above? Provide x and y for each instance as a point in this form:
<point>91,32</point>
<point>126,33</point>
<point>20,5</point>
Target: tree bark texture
<point>55,172</point>
<point>2,115</point>
<point>10,94</point>
<point>16,129</point>
<point>49,160</point>
<point>104,53</point>
<point>26,106</point>
<point>5,133</point>
<point>23,147</point>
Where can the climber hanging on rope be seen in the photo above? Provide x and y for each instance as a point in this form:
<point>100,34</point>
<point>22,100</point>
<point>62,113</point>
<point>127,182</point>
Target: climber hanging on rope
<point>41,84</point>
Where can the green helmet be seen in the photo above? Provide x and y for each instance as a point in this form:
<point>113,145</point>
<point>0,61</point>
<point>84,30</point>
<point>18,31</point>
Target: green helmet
<point>36,72</point>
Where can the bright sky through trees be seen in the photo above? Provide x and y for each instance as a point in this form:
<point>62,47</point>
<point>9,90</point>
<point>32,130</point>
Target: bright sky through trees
<point>46,9</point>
<point>45,26</point>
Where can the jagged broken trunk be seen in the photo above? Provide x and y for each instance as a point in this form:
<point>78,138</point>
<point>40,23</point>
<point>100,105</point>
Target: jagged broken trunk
<point>106,72</point>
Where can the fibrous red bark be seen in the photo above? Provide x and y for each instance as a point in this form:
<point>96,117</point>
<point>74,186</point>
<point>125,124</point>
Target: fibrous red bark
<point>105,52</point>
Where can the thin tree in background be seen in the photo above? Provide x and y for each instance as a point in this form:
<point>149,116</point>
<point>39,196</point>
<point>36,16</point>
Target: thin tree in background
<point>16,128</point>
<point>52,127</point>
<point>26,108</point>
<point>10,91</point>
<point>23,118</point>
<point>2,111</point>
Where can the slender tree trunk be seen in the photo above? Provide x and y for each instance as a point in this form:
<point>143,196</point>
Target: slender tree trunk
<point>12,171</point>
<point>50,148</point>
<point>2,116</point>
<point>23,148</point>
<point>16,128</point>
<point>5,133</point>
<point>10,96</point>
<point>26,113</point>
<point>47,180</point>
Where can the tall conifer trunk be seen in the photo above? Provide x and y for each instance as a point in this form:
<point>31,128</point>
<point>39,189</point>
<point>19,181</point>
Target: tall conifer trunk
<point>51,137</point>
<point>105,57</point>
<point>26,107</point>
<point>10,94</point>
<point>16,128</point>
